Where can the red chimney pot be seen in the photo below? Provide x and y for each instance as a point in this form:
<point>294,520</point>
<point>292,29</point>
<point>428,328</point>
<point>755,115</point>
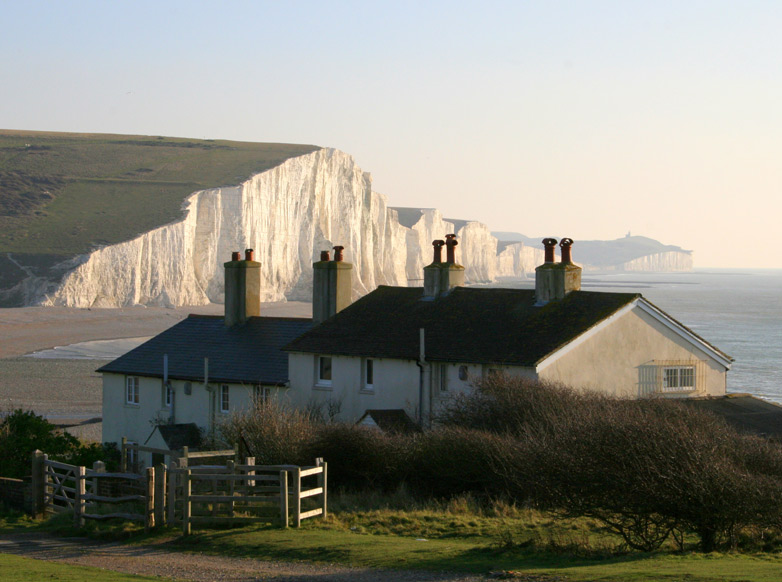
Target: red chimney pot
<point>324,256</point>
<point>338,254</point>
<point>450,243</point>
<point>236,256</point>
<point>438,250</point>
<point>567,255</point>
<point>249,255</point>
<point>549,244</point>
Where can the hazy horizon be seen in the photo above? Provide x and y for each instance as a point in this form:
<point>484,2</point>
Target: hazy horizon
<point>558,118</point>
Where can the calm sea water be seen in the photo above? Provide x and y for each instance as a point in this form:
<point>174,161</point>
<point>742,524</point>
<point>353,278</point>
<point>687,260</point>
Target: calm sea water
<point>739,311</point>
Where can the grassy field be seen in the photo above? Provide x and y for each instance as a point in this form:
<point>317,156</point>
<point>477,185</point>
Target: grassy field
<point>455,536</point>
<point>18,569</point>
<point>63,194</point>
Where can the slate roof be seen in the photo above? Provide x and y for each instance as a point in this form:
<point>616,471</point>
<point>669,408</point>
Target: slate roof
<point>393,420</point>
<point>248,353</point>
<point>177,436</point>
<point>746,413</point>
<point>490,326</point>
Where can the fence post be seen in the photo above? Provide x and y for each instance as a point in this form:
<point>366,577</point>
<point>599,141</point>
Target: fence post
<point>284,499</point>
<point>250,472</point>
<point>172,482</point>
<point>160,494</point>
<point>97,467</point>
<point>38,484</point>
<point>123,456</point>
<point>296,496</point>
<point>322,483</point>
<point>230,467</point>
<point>186,507</point>
<point>149,512</point>
<point>78,501</point>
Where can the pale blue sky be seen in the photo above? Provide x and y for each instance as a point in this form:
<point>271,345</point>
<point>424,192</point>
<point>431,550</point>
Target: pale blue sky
<point>581,119</point>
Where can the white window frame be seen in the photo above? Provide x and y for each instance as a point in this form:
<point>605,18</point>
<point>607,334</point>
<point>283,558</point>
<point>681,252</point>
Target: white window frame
<point>261,393</point>
<point>368,375</point>
<point>225,398</point>
<point>677,374</point>
<point>132,389</point>
<point>321,379</point>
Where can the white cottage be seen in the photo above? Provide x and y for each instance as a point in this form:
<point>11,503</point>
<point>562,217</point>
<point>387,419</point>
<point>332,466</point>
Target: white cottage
<point>408,348</point>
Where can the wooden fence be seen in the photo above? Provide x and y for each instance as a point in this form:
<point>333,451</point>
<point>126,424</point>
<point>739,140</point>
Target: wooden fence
<point>59,487</point>
<point>183,494</point>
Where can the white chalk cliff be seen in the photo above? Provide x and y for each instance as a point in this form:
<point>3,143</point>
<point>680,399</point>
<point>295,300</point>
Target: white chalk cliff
<point>288,214</point>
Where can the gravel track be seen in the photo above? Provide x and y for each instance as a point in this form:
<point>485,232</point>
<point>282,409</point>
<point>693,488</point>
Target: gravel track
<point>181,566</point>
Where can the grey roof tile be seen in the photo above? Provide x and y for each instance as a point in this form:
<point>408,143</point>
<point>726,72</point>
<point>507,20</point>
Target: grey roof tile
<point>248,353</point>
<point>497,326</point>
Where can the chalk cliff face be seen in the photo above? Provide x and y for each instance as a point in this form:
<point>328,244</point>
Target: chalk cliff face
<point>288,215</point>
<point>518,259</point>
<point>667,261</point>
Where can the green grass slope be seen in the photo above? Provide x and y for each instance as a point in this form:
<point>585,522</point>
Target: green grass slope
<point>66,193</point>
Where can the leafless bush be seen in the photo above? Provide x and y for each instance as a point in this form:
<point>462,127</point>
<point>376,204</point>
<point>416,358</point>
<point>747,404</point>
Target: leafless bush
<point>642,467</point>
<point>274,432</point>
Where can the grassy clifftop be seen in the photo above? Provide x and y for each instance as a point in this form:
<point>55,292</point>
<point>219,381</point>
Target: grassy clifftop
<point>62,194</point>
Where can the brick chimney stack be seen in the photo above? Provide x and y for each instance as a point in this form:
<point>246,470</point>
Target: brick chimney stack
<point>242,288</point>
<point>332,285</point>
<point>439,277</point>
<point>555,280</point>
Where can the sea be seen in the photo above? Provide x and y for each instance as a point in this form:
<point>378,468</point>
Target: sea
<point>737,310</point>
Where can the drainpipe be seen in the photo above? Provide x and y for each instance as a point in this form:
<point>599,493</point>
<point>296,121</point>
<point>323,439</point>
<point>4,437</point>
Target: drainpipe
<point>422,366</point>
<point>167,387</point>
<point>210,392</point>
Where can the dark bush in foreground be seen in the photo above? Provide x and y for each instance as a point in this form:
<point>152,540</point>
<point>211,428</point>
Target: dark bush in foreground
<point>360,457</point>
<point>644,468</point>
<point>22,432</point>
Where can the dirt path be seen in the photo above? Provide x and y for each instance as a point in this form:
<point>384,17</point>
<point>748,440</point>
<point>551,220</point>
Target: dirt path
<point>157,561</point>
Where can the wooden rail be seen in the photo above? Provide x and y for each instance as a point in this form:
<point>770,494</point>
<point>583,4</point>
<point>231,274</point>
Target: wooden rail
<point>231,492</point>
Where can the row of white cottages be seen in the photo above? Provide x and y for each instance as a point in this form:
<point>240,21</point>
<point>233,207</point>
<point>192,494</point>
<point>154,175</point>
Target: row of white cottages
<point>399,348</point>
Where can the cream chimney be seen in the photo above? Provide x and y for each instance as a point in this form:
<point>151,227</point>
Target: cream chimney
<point>242,288</point>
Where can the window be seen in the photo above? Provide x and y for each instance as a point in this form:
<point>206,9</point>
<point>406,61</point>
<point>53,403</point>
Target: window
<point>464,373</point>
<point>679,378</point>
<point>442,377</point>
<point>168,394</point>
<point>131,390</point>
<point>260,394</point>
<point>131,460</point>
<point>324,371</point>
<point>225,398</point>
<point>368,374</point>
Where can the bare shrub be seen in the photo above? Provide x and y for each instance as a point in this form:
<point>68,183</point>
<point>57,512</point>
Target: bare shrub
<point>274,432</point>
<point>644,468</point>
